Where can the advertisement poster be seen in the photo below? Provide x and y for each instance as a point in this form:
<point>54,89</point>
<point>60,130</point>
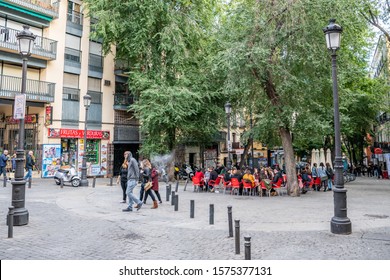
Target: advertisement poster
<point>103,160</point>
<point>51,159</point>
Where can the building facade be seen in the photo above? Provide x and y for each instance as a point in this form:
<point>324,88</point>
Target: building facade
<point>65,65</point>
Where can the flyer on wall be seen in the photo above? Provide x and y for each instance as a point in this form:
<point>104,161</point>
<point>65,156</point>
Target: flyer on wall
<point>51,159</point>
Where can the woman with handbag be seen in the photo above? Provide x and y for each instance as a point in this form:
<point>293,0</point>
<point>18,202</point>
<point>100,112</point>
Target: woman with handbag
<point>321,171</point>
<point>147,183</point>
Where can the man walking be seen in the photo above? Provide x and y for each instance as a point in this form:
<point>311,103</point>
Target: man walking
<point>3,163</point>
<point>132,179</point>
<point>30,162</point>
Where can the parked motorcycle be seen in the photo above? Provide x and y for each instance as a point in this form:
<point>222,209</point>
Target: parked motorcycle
<point>186,173</point>
<point>68,176</point>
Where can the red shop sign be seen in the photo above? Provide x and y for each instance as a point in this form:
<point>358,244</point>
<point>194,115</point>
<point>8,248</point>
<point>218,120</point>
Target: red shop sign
<point>77,133</point>
<point>27,119</point>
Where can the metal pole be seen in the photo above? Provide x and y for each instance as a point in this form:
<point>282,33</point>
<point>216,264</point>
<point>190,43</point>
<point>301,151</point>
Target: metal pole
<point>5,182</point>
<point>237,226</point>
<point>185,187</point>
<point>62,183</point>
<point>11,221</point>
<point>94,182</point>
<point>84,180</point>
<point>176,202</point>
<point>252,164</point>
<point>211,218</point>
<point>173,198</point>
<point>21,214</point>
<point>111,180</point>
<point>230,219</point>
<point>247,247</point>
<point>229,161</point>
<point>340,223</point>
<point>192,209</point>
<point>167,192</point>
<point>177,186</point>
<point>29,182</point>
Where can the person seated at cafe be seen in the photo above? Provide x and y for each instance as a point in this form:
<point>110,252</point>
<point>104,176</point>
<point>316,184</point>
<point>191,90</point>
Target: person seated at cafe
<point>237,174</point>
<point>213,175</point>
<point>278,175</point>
<point>248,177</point>
<point>200,175</point>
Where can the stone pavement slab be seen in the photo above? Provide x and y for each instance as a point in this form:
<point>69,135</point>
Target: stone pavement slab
<point>87,223</point>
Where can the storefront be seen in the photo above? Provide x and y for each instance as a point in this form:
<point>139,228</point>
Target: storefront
<point>71,150</point>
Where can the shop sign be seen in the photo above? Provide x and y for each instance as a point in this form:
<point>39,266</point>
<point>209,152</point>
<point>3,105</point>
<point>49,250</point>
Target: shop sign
<point>77,133</point>
<point>27,119</point>
<point>49,115</point>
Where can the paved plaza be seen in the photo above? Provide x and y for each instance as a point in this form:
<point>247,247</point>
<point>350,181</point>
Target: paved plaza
<point>87,223</point>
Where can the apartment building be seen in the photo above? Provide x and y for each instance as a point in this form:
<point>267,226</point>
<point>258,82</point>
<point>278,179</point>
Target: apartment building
<point>65,65</point>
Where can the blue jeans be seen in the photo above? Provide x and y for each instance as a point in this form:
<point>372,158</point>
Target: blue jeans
<point>131,184</point>
<point>29,174</point>
<point>329,184</point>
<point>3,170</point>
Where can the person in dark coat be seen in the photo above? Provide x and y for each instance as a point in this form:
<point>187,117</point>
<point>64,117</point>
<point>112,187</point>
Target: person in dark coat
<point>123,177</point>
<point>155,186</point>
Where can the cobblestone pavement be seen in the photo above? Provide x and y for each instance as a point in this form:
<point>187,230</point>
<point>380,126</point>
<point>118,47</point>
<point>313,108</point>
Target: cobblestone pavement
<point>87,223</point>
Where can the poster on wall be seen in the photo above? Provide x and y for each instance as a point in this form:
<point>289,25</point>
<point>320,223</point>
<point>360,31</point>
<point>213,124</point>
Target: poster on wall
<point>51,159</point>
<point>103,160</point>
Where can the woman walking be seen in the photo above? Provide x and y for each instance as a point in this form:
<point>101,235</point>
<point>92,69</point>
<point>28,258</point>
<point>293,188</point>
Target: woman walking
<point>155,186</point>
<point>123,178</point>
<point>147,177</point>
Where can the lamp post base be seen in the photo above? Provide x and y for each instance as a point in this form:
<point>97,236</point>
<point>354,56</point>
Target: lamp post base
<point>340,225</point>
<point>84,183</point>
<point>20,217</point>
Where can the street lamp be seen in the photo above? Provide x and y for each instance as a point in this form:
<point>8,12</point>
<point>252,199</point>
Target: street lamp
<point>25,40</point>
<point>228,110</point>
<point>340,223</point>
<point>84,181</point>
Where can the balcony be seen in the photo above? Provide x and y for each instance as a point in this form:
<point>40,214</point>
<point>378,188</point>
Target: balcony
<point>36,91</point>
<point>74,23</point>
<point>122,67</point>
<point>43,8</point>
<point>122,101</point>
<point>43,48</point>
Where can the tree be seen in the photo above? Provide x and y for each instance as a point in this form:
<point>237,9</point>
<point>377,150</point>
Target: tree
<point>274,59</point>
<point>165,43</point>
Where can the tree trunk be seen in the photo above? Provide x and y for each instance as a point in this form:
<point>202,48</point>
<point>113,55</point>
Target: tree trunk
<point>244,155</point>
<point>291,172</point>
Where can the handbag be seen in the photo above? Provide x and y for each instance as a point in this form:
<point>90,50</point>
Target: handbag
<point>148,186</point>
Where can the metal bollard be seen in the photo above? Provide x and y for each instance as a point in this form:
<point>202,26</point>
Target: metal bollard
<point>11,221</point>
<point>185,187</point>
<point>247,247</point>
<point>168,192</point>
<point>5,182</point>
<point>192,209</point>
<point>177,186</point>
<point>173,198</point>
<point>211,218</point>
<point>62,183</point>
<point>237,226</point>
<point>111,179</point>
<point>230,220</point>
<point>176,202</point>
<point>94,182</point>
<point>29,182</point>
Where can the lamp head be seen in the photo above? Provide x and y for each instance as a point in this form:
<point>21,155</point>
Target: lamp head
<point>25,39</point>
<point>333,35</point>
<point>228,108</point>
<point>87,100</point>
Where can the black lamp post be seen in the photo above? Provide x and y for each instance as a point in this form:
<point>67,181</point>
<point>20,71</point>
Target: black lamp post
<point>228,110</point>
<point>84,181</point>
<point>25,40</point>
<point>340,223</point>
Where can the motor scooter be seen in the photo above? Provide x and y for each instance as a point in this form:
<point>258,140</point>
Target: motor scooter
<point>68,176</point>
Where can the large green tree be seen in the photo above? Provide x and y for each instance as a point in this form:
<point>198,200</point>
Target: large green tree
<point>274,59</point>
<point>166,45</point>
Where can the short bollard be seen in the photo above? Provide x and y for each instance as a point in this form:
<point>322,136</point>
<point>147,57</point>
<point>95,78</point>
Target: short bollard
<point>168,192</point>
<point>247,247</point>
<point>176,202</point>
<point>11,221</point>
<point>111,179</point>
<point>192,209</point>
<point>173,198</point>
<point>177,186</point>
<point>185,187</point>
<point>230,220</point>
<point>237,226</point>
<point>5,182</point>
<point>62,183</point>
<point>93,182</point>
<point>29,182</point>
<point>211,218</point>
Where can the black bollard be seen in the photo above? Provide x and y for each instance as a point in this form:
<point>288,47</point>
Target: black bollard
<point>177,186</point>
<point>94,182</point>
<point>237,226</point>
<point>192,209</point>
<point>62,183</point>
<point>247,247</point>
<point>211,218</point>
<point>230,220</point>
<point>167,192</point>
<point>173,198</point>
<point>11,221</point>
<point>5,182</point>
<point>185,187</point>
<point>176,202</point>
<point>29,182</point>
<point>111,179</point>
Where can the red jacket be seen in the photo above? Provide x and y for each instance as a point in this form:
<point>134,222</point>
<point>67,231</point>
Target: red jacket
<point>154,179</point>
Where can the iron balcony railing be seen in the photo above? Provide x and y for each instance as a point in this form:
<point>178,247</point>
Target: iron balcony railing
<point>75,17</point>
<point>35,90</point>
<point>123,99</point>
<point>43,47</point>
<point>95,63</point>
<point>71,94</point>
<point>73,57</point>
<point>46,7</point>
